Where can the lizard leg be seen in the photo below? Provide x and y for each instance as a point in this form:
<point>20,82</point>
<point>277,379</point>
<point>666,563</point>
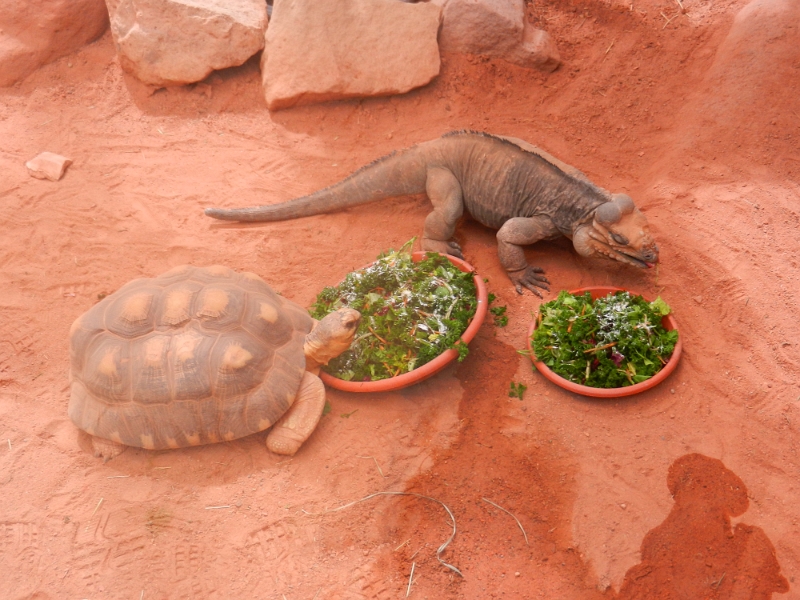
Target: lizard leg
<point>297,424</point>
<point>518,232</point>
<point>444,192</point>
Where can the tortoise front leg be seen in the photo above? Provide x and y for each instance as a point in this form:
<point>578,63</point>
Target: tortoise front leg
<point>297,424</point>
<point>106,449</point>
<point>518,232</point>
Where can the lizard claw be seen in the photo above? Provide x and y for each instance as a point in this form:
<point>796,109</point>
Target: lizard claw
<point>531,278</point>
<point>455,250</point>
<point>442,247</point>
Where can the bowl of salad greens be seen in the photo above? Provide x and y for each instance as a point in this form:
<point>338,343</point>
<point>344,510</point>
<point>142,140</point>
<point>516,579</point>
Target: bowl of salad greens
<point>418,313</point>
<point>604,342</point>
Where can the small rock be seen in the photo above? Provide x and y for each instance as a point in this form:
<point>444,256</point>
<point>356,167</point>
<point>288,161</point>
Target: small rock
<point>204,89</point>
<point>537,51</point>
<point>498,29</point>
<point>48,166</point>
<point>623,506</point>
<point>488,27</point>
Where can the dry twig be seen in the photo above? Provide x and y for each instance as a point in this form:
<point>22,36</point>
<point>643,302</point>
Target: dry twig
<point>376,462</point>
<point>525,535</point>
<point>449,512</point>
<point>410,578</point>
<point>669,19</point>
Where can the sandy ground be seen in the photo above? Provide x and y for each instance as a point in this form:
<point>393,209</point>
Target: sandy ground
<point>694,114</point>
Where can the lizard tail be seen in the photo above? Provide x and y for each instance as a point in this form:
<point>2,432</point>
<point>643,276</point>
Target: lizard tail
<point>393,175</point>
<point>293,209</point>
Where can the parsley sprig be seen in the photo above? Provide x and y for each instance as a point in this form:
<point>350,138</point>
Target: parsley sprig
<point>411,313</point>
<point>614,341</point>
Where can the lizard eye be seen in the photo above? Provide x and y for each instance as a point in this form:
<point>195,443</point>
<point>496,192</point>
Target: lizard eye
<point>619,239</point>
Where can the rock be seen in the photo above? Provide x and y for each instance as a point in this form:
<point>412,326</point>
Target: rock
<point>498,29</point>
<point>174,42</point>
<point>537,51</point>
<point>35,32</point>
<point>759,58</point>
<point>48,165</point>
<point>487,27</point>
<point>320,51</point>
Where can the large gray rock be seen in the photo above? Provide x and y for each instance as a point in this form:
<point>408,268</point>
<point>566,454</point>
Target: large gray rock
<point>35,32</point>
<point>174,42</point>
<point>318,51</point>
<point>498,29</point>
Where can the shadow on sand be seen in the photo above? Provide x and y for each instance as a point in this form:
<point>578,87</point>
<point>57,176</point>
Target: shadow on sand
<point>695,553</point>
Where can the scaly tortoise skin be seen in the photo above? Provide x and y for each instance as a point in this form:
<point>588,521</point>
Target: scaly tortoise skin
<point>195,356</point>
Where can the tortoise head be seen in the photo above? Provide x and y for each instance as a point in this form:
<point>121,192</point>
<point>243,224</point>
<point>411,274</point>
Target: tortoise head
<point>331,336</point>
<point>618,231</point>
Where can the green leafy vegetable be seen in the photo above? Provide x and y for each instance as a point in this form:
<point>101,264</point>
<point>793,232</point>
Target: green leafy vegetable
<point>411,313</point>
<point>499,312</point>
<point>660,306</point>
<point>517,390</point>
<point>500,317</point>
<point>614,341</point>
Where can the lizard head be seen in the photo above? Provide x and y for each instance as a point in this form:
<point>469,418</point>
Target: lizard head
<point>618,231</point>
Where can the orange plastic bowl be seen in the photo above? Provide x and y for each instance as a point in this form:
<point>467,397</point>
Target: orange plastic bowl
<point>432,367</point>
<point>669,324</point>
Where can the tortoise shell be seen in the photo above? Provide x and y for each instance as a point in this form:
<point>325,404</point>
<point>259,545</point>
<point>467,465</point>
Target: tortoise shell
<point>194,356</point>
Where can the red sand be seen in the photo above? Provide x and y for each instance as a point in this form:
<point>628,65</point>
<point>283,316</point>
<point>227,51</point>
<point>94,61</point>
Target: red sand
<point>696,118</point>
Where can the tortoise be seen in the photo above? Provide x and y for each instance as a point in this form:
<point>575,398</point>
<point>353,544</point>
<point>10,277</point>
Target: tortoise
<point>197,356</point>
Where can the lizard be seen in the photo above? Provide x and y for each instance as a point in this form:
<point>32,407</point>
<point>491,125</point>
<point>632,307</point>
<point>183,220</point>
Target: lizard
<point>504,183</point>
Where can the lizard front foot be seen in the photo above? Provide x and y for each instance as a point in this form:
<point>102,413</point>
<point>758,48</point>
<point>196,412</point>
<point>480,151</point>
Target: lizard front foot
<point>531,278</point>
<point>450,247</point>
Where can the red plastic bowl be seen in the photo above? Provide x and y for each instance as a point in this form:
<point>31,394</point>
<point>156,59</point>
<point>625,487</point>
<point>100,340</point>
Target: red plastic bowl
<point>669,324</point>
<point>432,367</point>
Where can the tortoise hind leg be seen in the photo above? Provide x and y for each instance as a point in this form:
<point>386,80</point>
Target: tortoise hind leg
<point>106,449</point>
<point>297,424</point>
